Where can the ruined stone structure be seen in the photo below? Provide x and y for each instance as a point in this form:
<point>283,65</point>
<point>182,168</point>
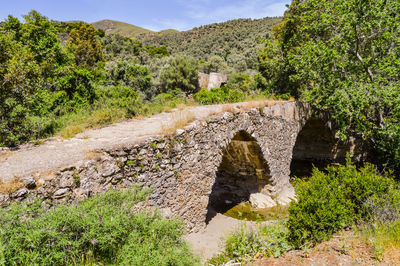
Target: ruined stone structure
<point>212,80</point>
<point>225,158</point>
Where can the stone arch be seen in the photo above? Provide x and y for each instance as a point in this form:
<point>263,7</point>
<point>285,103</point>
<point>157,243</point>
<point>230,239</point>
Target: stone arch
<point>315,146</point>
<point>242,171</point>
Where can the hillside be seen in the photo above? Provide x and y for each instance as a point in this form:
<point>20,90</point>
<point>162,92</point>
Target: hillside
<point>239,36</point>
<point>122,28</point>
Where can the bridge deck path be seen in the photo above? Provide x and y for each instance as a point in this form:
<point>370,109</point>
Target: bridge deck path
<point>57,152</point>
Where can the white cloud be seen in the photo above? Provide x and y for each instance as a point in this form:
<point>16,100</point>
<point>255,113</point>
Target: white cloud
<point>163,24</point>
<point>201,12</point>
<point>244,9</point>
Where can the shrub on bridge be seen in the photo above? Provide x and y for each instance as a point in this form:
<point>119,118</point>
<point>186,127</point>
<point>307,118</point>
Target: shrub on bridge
<point>337,199</point>
<point>220,95</point>
<point>102,230</point>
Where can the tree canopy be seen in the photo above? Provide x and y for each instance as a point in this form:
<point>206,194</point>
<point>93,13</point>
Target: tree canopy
<point>343,57</point>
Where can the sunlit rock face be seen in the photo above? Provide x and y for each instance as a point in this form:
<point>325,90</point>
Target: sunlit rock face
<point>212,80</point>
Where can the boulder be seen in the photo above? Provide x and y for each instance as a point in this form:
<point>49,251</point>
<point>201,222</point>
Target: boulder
<point>261,201</point>
<point>29,182</point>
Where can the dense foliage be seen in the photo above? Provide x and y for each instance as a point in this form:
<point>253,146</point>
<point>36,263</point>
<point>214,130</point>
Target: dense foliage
<point>343,57</point>
<point>30,55</point>
<point>337,199</point>
<point>220,95</point>
<point>59,77</point>
<point>234,42</point>
<point>180,73</point>
<point>104,229</point>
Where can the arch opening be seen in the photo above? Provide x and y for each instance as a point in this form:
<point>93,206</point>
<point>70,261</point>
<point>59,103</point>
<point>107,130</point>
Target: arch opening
<point>242,172</point>
<point>315,147</point>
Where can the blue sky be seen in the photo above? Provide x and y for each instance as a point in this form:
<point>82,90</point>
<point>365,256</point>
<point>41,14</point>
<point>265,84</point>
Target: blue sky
<point>151,14</point>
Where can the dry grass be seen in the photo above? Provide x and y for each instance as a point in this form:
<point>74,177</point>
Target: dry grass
<point>179,120</point>
<point>383,238</point>
<point>182,106</point>
<point>11,186</point>
<point>229,108</point>
<point>140,117</point>
<point>251,105</point>
<point>5,154</point>
<point>71,131</point>
<point>79,122</point>
<point>90,155</point>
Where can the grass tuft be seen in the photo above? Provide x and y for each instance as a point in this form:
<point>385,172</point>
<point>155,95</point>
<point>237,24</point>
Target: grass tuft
<point>179,120</point>
<point>11,186</point>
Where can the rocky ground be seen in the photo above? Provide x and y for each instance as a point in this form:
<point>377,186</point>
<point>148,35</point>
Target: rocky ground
<point>346,248</point>
<point>210,241</point>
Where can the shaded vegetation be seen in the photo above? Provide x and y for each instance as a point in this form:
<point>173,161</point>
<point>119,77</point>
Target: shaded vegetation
<point>221,95</point>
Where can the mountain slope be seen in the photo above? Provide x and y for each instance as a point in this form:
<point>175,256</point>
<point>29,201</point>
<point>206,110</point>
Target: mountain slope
<point>239,36</point>
<point>122,28</point>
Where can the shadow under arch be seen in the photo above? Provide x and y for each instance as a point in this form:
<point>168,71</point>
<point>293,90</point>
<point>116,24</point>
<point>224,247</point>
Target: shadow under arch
<point>315,146</point>
<point>242,171</point>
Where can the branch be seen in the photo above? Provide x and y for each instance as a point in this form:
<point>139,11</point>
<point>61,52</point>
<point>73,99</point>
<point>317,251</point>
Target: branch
<point>371,76</point>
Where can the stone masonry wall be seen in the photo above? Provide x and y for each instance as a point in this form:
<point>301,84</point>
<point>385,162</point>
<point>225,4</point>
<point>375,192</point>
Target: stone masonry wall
<point>181,169</point>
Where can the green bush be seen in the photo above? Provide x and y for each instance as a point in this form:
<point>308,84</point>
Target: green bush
<point>118,97</point>
<point>160,51</point>
<point>180,73</point>
<point>244,245</point>
<point>75,89</point>
<point>220,95</point>
<point>103,230</point>
<point>240,81</point>
<point>336,199</point>
<point>136,77</point>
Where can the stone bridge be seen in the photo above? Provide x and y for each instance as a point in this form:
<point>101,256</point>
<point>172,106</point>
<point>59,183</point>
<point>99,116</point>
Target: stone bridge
<point>208,165</point>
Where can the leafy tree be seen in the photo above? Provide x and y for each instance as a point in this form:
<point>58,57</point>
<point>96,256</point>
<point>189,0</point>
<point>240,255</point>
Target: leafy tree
<point>116,46</point>
<point>343,57</point>
<point>85,46</point>
<point>241,82</point>
<point>19,79</point>
<point>75,89</point>
<point>160,51</point>
<point>181,73</point>
<point>137,77</point>
<point>40,35</point>
<point>12,24</point>
<point>214,64</point>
